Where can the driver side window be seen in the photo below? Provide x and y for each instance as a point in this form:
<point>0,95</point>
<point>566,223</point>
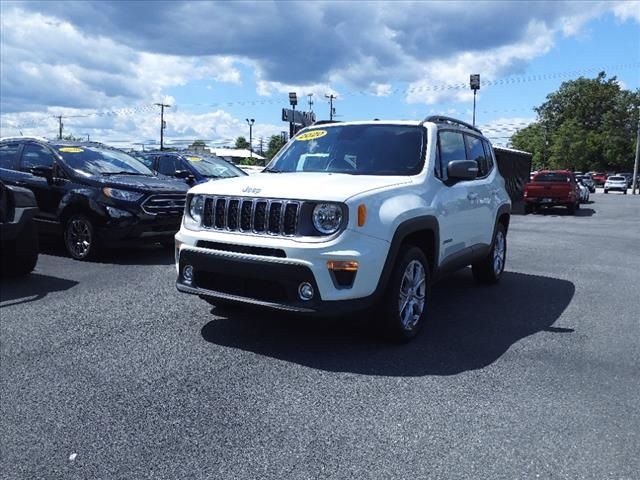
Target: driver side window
<point>450,147</point>
<point>35,156</point>
<point>168,166</point>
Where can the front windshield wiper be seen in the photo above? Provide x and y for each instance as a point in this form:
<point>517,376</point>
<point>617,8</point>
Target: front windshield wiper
<point>125,173</point>
<point>272,170</point>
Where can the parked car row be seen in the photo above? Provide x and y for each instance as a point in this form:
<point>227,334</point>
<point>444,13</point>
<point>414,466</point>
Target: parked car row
<point>95,196</point>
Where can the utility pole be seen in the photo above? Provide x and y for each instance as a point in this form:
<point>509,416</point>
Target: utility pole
<point>635,164</point>
<point>162,124</point>
<point>332,110</point>
<point>250,123</point>
<point>310,95</point>
<point>60,125</point>
<point>261,146</point>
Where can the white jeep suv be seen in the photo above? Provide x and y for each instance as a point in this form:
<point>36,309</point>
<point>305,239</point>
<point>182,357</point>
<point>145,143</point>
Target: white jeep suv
<point>349,216</point>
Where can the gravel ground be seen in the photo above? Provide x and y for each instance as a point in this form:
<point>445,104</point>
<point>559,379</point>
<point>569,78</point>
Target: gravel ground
<point>107,372</point>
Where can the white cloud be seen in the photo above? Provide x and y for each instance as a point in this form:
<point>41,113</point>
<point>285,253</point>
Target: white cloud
<point>627,10</point>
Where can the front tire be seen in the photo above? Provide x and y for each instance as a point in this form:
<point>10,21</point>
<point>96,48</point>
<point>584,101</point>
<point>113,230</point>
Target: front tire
<point>489,270</point>
<point>80,238</point>
<point>405,302</point>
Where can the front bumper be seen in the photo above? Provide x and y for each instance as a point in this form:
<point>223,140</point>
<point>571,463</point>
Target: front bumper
<point>261,278</point>
<point>137,228</point>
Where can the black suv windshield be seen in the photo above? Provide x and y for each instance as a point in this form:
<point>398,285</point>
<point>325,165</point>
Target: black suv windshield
<point>101,161</point>
<point>355,149</point>
<point>212,167</point>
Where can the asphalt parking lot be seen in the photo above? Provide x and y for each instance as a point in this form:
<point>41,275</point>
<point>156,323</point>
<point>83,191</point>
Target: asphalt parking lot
<point>107,372</point>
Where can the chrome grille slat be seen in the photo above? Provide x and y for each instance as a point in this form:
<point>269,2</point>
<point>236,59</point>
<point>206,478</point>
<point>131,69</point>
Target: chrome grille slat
<point>273,217</point>
<point>164,204</point>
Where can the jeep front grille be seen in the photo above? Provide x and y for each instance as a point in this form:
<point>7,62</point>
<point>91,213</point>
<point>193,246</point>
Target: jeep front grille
<point>165,204</point>
<point>256,215</point>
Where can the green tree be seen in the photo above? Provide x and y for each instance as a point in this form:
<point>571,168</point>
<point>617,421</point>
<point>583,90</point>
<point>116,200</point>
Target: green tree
<point>276,142</point>
<point>242,143</point>
<point>587,124</point>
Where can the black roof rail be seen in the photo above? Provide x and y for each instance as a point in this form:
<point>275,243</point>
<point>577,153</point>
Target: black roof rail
<point>450,121</point>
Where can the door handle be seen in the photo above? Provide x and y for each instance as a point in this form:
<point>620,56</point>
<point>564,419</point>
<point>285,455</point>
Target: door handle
<point>472,196</point>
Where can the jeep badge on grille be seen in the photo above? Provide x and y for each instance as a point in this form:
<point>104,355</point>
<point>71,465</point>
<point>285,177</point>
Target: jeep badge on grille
<point>251,190</point>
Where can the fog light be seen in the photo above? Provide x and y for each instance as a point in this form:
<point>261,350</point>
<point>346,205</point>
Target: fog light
<point>187,274</point>
<point>305,291</point>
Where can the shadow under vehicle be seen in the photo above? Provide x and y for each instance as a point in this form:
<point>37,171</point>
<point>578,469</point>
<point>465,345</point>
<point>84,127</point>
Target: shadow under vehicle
<point>461,336</point>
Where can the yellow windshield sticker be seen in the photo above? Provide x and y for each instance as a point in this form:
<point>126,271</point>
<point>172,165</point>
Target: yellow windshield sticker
<point>311,135</point>
<point>71,150</point>
<point>194,159</point>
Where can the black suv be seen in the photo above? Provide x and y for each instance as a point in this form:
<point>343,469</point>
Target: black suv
<point>18,233</point>
<point>93,194</point>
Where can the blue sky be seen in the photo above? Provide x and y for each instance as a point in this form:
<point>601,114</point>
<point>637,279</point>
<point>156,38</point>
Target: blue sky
<point>104,64</point>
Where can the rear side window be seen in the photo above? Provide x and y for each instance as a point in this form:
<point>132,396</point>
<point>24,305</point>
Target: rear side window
<point>36,156</point>
<point>9,155</point>
<point>488,152</point>
<point>552,177</point>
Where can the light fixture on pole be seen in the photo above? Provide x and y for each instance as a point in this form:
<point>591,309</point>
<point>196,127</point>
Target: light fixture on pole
<point>293,101</point>
<point>474,83</point>
<point>250,122</point>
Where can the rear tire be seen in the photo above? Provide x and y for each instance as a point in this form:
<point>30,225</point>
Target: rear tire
<point>489,270</point>
<point>606,191</point>
<point>528,209</point>
<point>571,208</point>
<point>405,302</point>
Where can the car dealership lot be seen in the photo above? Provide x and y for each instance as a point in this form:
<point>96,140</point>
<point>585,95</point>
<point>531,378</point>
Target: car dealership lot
<point>107,372</point>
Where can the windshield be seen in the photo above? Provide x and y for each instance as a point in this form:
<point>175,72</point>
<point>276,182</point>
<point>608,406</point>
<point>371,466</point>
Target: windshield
<point>213,167</point>
<point>551,177</point>
<point>354,149</point>
<point>101,161</point>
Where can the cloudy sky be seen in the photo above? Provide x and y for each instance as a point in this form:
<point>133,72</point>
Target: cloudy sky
<point>104,64</point>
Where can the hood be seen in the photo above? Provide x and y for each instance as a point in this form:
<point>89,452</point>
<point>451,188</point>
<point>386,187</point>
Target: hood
<point>143,183</point>
<point>337,187</point>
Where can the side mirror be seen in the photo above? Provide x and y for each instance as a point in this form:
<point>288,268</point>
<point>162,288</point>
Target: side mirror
<point>185,175</point>
<point>42,171</point>
<point>462,169</point>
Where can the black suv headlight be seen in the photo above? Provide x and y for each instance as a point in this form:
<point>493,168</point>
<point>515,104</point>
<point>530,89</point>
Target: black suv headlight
<point>327,217</point>
<point>194,209</point>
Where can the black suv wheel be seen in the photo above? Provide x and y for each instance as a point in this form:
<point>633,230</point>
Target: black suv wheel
<point>80,237</point>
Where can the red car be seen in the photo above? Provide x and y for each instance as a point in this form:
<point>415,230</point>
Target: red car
<point>550,188</point>
<point>599,178</point>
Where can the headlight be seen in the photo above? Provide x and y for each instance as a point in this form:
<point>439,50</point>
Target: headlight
<point>122,194</point>
<point>327,217</point>
<point>196,208</point>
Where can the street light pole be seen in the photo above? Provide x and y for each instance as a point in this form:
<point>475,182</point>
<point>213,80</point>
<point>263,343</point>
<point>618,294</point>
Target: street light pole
<point>474,83</point>
<point>635,164</point>
<point>250,123</point>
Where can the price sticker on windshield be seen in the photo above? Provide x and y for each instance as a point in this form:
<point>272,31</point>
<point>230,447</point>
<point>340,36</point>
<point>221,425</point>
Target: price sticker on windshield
<point>71,150</point>
<point>194,159</point>
<point>311,135</point>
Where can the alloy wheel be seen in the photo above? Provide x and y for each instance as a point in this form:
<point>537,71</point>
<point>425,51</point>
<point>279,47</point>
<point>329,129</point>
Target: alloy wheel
<point>412,296</point>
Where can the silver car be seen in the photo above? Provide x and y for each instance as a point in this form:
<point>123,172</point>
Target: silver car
<point>616,183</point>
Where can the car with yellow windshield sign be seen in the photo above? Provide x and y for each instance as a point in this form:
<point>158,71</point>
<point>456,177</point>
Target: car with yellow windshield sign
<point>93,195</point>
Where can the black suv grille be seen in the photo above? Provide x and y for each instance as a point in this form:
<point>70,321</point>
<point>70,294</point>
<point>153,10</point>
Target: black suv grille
<point>165,204</point>
<point>257,215</point>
